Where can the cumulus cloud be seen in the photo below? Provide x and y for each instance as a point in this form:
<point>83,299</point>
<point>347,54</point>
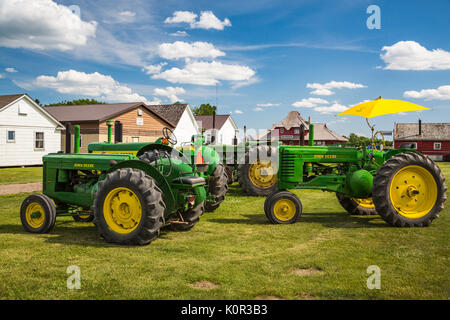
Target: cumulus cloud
<point>324,89</point>
<point>179,34</point>
<point>10,70</point>
<point>154,68</point>
<point>334,108</point>
<point>181,49</point>
<point>309,103</point>
<point>170,93</point>
<point>206,73</point>
<point>207,20</point>
<point>42,25</point>
<point>441,93</point>
<point>89,84</point>
<point>410,55</point>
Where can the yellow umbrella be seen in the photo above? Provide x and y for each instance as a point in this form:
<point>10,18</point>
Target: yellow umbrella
<point>380,107</point>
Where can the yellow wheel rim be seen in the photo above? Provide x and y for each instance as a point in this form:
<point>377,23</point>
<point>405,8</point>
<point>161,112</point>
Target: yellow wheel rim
<point>365,203</point>
<point>284,209</point>
<point>413,192</point>
<point>35,215</point>
<point>122,210</point>
<point>262,175</point>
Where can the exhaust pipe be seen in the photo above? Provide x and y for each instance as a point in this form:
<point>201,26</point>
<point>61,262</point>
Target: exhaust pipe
<point>118,132</point>
<point>68,137</point>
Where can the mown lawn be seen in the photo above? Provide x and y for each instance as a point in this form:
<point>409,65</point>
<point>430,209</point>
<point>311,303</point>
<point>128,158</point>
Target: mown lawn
<point>20,175</point>
<point>324,255</point>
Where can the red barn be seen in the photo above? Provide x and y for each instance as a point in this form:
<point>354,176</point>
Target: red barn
<point>288,131</point>
<point>432,139</point>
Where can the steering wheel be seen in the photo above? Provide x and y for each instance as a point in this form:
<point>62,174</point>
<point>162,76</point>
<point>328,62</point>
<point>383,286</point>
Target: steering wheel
<point>383,145</point>
<point>169,135</point>
<point>161,155</point>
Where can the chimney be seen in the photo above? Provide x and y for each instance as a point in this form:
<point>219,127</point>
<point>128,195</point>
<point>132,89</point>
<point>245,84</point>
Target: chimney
<point>309,120</point>
<point>420,127</point>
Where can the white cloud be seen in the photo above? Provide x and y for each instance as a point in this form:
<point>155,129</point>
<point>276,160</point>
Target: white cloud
<point>268,104</point>
<point>257,109</point>
<point>11,70</point>
<point>181,16</point>
<point>179,34</point>
<point>127,14</point>
<point>441,93</point>
<point>2,76</point>
<point>207,20</point>
<point>237,111</point>
<point>335,108</point>
<point>154,69</point>
<point>324,89</point>
<point>240,84</point>
<point>206,73</point>
<point>170,92</point>
<point>410,55</point>
<point>89,84</point>
<point>309,103</point>
<point>181,49</point>
<point>42,24</point>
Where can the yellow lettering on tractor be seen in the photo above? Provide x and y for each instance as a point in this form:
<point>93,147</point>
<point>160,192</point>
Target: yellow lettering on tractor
<point>325,156</point>
<point>83,165</point>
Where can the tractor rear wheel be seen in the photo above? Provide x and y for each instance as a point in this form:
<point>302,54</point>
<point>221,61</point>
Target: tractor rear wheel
<point>38,214</point>
<point>356,206</point>
<point>83,217</point>
<point>409,190</point>
<point>230,174</point>
<point>283,207</point>
<point>258,171</point>
<point>192,216</point>
<point>217,186</point>
<point>129,208</point>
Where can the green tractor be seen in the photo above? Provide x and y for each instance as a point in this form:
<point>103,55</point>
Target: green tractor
<point>129,200</point>
<point>403,186</point>
<point>203,160</point>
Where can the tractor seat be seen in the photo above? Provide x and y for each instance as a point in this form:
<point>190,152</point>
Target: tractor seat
<point>189,180</point>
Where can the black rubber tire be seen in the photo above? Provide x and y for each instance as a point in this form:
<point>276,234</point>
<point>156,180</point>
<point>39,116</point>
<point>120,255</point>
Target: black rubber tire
<point>261,153</point>
<point>217,186</point>
<point>354,208</point>
<point>273,198</point>
<point>149,156</point>
<point>192,216</point>
<point>49,212</point>
<point>79,218</point>
<point>150,197</point>
<point>381,187</point>
<point>230,174</point>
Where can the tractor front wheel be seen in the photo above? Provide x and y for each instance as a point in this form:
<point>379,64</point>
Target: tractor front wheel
<point>129,208</point>
<point>218,187</point>
<point>38,214</point>
<point>356,206</point>
<point>282,207</point>
<point>409,190</point>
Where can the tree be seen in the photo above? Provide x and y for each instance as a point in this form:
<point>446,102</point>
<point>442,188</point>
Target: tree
<point>38,102</point>
<point>354,141</point>
<point>204,110</point>
<point>77,102</point>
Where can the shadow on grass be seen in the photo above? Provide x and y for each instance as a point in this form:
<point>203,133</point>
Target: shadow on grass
<point>331,220</point>
<point>235,191</point>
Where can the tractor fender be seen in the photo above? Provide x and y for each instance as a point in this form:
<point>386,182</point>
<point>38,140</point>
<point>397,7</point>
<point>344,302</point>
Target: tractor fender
<point>158,146</point>
<point>168,196</point>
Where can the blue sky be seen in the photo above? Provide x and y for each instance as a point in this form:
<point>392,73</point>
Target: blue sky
<point>257,59</point>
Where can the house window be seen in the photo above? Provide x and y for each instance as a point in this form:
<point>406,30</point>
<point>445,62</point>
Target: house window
<point>281,130</point>
<point>437,146</point>
<point>139,112</point>
<point>135,139</point>
<point>39,140</point>
<point>11,137</point>
<point>296,131</point>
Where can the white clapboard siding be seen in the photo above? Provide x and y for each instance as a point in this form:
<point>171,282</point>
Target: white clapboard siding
<point>186,127</point>
<point>227,132</point>
<point>30,120</point>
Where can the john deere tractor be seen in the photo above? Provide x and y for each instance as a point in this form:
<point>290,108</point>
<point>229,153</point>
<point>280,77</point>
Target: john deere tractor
<point>403,186</point>
<point>129,200</point>
<point>161,153</point>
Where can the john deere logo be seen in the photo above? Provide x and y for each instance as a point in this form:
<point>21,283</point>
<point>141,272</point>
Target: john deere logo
<point>325,156</point>
<point>83,165</point>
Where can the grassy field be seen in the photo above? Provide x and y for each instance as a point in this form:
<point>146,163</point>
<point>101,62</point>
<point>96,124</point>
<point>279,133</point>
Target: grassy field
<point>232,253</point>
<point>20,175</point>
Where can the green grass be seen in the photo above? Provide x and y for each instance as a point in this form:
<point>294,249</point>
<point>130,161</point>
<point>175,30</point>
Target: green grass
<point>236,249</point>
<point>20,175</point>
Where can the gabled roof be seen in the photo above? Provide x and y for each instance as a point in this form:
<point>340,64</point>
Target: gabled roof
<point>322,133</point>
<point>97,112</point>
<point>293,120</point>
<point>206,122</point>
<point>430,131</point>
<point>171,112</point>
<point>8,98</point>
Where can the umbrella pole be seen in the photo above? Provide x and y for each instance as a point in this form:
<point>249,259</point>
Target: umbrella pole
<point>372,128</point>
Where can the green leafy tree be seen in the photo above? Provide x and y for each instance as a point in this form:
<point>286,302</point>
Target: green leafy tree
<point>204,110</point>
<point>354,140</point>
<point>77,102</point>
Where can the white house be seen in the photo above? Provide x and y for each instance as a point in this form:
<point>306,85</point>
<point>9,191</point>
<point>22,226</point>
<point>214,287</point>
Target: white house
<point>182,117</point>
<point>27,131</point>
<point>224,125</point>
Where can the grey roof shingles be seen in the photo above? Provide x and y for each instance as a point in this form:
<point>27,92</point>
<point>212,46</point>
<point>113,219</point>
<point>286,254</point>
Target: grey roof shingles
<point>206,121</point>
<point>8,98</point>
<point>430,131</point>
<point>171,112</point>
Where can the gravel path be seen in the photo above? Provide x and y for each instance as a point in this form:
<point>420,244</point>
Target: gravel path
<point>18,188</point>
